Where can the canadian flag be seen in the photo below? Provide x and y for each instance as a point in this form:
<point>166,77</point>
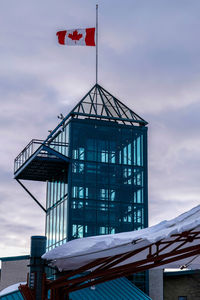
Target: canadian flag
<point>77,37</point>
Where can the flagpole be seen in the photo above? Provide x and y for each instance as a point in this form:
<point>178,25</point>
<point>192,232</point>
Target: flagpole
<point>96,43</point>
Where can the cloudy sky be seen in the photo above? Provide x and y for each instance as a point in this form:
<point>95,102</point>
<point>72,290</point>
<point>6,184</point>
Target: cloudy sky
<point>149,56</point>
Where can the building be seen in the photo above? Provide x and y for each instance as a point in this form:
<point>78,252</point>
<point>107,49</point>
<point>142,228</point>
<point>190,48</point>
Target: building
<point>13,269</point>
<point>106,291</point>
<point>182,285</point>
<point>95,165</point>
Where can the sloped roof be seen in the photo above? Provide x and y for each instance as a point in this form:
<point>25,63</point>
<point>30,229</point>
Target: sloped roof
<point>11,292</point>
<point>100,104</point>
<point>169,239</point>
<point>117,289</point>
<point>16,295</point>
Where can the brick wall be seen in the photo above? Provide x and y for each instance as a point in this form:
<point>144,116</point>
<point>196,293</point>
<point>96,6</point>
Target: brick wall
<point>182,285</point>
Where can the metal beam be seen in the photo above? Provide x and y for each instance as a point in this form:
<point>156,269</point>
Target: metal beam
<point>40,205</point>
<point>149,261</point>
<point>110,118</point>
<point>56,153</point>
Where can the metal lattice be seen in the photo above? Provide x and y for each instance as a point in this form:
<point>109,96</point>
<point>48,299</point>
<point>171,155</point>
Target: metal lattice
<point>100,104</point>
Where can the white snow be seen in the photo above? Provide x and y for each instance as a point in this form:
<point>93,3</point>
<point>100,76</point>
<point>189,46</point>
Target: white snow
<point>79,252</point>
<point>11,288</point>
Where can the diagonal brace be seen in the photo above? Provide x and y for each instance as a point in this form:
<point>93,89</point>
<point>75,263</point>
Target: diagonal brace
<point>33,197</point>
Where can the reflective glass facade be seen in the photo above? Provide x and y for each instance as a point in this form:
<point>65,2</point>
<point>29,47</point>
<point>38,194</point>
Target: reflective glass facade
<point>57,198</point>
<point>105,190</point>
<point>95,166</point>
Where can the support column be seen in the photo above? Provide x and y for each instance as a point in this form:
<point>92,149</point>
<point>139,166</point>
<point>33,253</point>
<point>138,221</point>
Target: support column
<point>38,248</point>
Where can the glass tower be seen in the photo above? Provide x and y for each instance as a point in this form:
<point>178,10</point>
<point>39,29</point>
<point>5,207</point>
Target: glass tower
<point>95,165</point>
<point>105,187</point>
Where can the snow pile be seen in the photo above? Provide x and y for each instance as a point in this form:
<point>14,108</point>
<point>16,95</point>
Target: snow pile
<point>10,289</point>
<point>79,252</point>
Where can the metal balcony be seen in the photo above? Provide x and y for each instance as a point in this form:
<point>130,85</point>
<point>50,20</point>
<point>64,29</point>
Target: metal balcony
<point>42,161</point>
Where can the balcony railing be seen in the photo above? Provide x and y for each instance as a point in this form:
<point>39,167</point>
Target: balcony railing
<point>33,146</point>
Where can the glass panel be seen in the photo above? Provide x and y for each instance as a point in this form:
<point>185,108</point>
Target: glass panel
<point>103,230</point>
<point>48,195</point>
<point>58,223</point>
<point>127,174</point>
<point>134,153</point>
<point>64,219</point>
<point>55,193</point>
<point>129,154</point>
<point>138,152</point>
<point>61,221</point>
<point>103,194</point>
<point>77,231</point>
<point>50,227</point>
<point>112,195</point>
<point>52,194</point>
<point>47,229</point>
<point>112,157</point>
<point>106,189</point>
<point>78,167</point>
<point>104,156</point>
<point>79,153</point>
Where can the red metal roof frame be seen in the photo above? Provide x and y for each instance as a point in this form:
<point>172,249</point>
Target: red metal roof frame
<point>176,248</point>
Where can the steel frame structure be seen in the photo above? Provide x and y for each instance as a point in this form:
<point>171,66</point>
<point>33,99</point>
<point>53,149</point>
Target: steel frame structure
<point>177,247</point>
<point>39,162</point>
<point>111,109</point>
<point>97,104</point>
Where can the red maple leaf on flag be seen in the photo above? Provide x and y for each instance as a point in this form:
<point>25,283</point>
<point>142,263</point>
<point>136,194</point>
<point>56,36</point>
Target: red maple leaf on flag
<point>75,36</point>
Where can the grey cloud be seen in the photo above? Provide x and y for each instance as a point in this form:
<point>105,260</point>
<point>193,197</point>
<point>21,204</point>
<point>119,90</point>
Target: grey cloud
<point>148,58</point>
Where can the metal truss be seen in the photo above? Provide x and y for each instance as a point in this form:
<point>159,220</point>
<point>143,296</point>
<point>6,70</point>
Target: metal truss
<point>177,248</point>
<point>99,104</point>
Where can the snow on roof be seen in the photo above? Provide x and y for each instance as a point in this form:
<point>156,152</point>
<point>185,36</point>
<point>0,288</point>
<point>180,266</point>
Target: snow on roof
<point>79,252</point>
<point>10,289</point>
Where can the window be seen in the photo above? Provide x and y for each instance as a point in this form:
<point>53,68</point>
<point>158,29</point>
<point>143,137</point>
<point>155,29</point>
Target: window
<point>127,155</point>
<point>77,204</point>
<point>77,167</point>
<point>112,230</point>
<point>138,177</point>
<point>138,152</point>
<point>112,195</point>
<point>112,157</point>
<point>138,215</point>
<point>103,230</point>
<point>78,230</point>
<point>182,297</point>
<point>104,206</point>
<point>128,215</point>
<point>127,175</point>
<point>104,156</point>
<point>79,153</point>
<point>139,196</point>
<point>104,194</point>
<point>79,192</point>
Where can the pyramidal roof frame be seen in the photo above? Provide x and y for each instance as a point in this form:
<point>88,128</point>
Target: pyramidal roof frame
<point>99,104</point>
